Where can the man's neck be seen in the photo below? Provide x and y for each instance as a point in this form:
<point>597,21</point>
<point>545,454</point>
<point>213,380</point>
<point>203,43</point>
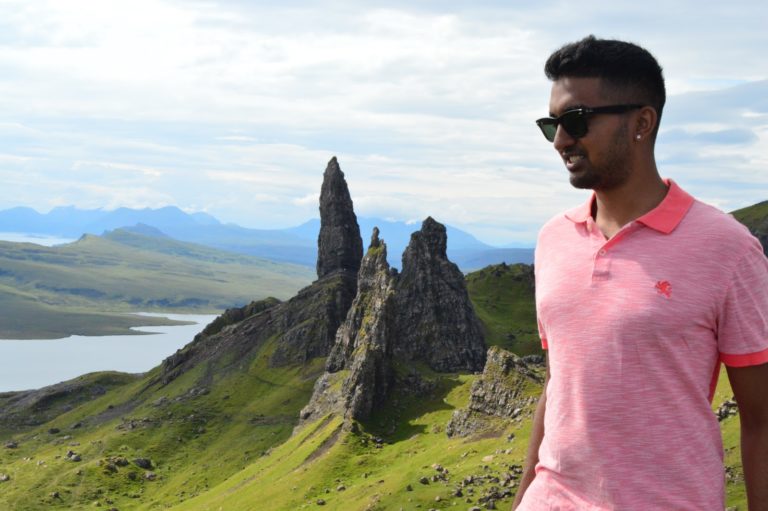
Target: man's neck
<point>615,208</point>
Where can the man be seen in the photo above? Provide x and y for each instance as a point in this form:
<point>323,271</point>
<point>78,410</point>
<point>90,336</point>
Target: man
<point>641,293</point>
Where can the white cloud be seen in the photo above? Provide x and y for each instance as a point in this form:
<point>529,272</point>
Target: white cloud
<point>309,199</point>
<point>110,165</point>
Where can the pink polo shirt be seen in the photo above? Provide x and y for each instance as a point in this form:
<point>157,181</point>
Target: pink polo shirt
<point>636,328</point>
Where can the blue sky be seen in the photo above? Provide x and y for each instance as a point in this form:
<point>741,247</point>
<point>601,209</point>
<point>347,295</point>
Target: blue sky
<point>235,107</point>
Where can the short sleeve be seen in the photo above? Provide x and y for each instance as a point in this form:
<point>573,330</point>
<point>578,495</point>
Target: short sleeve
<point>742,326</point>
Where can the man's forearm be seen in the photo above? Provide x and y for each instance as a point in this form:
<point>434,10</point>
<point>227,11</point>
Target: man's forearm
<point>754,457</point>
<point>532,456</point>
<point>749,384</point>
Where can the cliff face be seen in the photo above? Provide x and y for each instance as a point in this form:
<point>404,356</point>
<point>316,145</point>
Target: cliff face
<point>423,315</point>
<point>304,327</point>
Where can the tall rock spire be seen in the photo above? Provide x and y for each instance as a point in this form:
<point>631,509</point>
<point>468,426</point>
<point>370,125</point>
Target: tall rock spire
<point>339,245</point>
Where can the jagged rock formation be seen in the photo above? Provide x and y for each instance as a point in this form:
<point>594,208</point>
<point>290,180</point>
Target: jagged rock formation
<point>302,328</point>
<point>339,246</point>
<point>499,395</point>
<point>436,322</point>
<point>423,315</point>
<point>358,371</point>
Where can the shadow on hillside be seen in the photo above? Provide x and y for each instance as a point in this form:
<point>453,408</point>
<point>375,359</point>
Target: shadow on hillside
<point>407,411</point>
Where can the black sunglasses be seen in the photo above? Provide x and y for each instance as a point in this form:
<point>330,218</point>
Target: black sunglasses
<point>575,121</point>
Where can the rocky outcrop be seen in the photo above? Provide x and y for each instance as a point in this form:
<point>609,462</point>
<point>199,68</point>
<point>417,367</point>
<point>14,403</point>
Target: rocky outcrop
<point>420,316</point>
<point>29,408</point>
<point>436,322</point>
<point>232,316</point>
<point>358,371</point>
<point>504,391</point>
<point>302,328</point>
<point>339,246</point>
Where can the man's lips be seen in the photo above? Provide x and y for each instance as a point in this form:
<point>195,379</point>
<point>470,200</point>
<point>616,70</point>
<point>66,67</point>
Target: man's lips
<point>573,161</point>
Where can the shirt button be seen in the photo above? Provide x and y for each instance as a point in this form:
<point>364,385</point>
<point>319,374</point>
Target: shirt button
<point>602,252</point>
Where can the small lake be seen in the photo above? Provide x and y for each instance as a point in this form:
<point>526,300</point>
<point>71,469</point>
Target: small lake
<point>38,239</point>
<point>32,364</point>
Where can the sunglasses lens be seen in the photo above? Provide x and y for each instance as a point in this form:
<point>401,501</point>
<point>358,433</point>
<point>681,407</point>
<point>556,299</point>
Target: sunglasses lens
<point>574,123</point>
<point>548,127</point>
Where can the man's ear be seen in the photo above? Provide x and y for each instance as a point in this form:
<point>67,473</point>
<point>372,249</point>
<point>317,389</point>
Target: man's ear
<point>645,123</point>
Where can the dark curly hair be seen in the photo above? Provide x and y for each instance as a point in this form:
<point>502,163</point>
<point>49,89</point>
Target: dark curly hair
<point>625,68</point>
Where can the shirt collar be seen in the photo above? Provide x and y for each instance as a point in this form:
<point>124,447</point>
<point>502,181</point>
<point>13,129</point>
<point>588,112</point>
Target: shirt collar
<point>664,218</point>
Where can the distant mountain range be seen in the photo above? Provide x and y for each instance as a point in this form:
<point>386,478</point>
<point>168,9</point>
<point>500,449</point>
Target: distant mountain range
<point>295,245</point>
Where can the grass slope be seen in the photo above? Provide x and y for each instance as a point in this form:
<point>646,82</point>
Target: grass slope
<point>50,289</point>
<point>353,471</point>
<point>752,214</point>
<point>195,436</point>
<point>755,217</point>
<point>503,298</point>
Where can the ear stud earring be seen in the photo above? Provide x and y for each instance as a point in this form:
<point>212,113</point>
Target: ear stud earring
<point>638,136</point>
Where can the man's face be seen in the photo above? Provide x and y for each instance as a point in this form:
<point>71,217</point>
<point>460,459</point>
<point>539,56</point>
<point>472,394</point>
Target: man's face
<point>600,159</point>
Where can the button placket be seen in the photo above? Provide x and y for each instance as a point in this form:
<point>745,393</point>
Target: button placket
<point>602,263</point>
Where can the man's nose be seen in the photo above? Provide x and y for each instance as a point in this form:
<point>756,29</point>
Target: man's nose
<point>563,139</point>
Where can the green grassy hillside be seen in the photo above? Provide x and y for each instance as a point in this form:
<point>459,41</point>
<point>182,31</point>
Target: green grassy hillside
<point>503,298</point>
<point>53,291</point>
<point>194,435</point>
<point>414,466</point>
<point>756,219</point>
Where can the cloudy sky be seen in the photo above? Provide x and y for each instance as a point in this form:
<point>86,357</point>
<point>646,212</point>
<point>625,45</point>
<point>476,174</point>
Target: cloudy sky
<point>235,107</point>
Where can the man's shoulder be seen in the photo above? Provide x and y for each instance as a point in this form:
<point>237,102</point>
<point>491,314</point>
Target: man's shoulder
<point>558,222</point>
<point>710,223</point>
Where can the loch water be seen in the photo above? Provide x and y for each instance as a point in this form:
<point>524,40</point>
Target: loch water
<point>31,364</point>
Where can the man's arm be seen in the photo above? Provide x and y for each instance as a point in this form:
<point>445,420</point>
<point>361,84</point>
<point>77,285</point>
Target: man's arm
<point>537,433</point>
<point>750,385</point>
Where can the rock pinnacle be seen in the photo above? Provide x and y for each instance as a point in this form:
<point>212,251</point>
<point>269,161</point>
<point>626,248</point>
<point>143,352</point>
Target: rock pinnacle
<point>339,245</point>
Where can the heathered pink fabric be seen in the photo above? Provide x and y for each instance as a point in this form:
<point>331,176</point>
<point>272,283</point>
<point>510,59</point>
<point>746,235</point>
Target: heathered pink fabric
<point>636,327</point>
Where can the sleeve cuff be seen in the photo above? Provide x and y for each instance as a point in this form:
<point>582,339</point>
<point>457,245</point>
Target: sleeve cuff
<point>746,359</point>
